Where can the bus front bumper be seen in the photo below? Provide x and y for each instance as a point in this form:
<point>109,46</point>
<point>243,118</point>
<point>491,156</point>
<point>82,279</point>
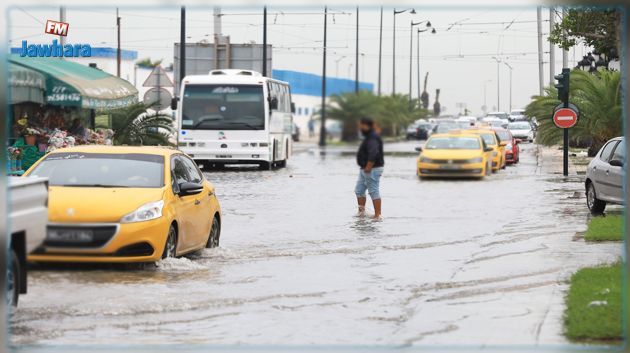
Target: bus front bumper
<point>240,156</point>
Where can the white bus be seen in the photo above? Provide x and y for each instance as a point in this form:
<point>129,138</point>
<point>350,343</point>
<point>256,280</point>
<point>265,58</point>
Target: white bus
<point>235,117</point>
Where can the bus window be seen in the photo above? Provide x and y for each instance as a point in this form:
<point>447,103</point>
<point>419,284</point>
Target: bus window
<point>223,107</point>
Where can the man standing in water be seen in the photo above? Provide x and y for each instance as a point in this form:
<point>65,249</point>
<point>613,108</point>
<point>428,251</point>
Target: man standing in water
<point>371,162</point>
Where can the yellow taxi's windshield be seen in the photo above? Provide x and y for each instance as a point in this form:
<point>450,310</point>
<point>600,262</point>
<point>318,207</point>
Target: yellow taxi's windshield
<point>453,143</point>
<point>489,139</point>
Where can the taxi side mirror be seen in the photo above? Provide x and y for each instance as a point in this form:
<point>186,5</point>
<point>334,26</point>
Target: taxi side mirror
<point>488,149</point>
<point>188,188</point>
<point>502,143</point>
<point>418,149</point>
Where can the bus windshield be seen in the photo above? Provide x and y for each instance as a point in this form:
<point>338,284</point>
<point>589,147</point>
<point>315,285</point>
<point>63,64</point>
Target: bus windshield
<point>223,107</point>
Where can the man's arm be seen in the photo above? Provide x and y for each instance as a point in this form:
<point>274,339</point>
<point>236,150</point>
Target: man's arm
<point>372,153</point>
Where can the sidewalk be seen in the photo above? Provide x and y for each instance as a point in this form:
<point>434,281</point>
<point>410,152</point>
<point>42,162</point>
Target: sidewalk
<point>550,162</point>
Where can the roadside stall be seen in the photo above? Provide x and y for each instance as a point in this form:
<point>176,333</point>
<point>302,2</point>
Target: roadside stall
<point>72,96</point>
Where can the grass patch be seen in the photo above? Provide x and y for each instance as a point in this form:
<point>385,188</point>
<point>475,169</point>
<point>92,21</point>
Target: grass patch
<point>585,320</point>
<point>608,228</point>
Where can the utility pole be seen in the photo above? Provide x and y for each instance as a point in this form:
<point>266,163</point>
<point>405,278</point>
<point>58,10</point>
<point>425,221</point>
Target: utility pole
<point>380,51</point>
<point>182,46</point>
<point>118,51</point>
<point>62,18</point>
<point>510,67</point>
<point>322,128</point>
<point>418,62</point>
<point>264,53</point>
<point>498,82</point>
<point>541,67</point>
<point>394,56</point>
<point>413,24</point>
<point>356,66</point>
<point>552,49</point>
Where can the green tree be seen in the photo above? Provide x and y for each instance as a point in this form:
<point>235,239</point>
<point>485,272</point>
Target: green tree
<point>349,108</point>
<point>597,96</point>
<point>595,26</point>
<point>135,126</point>
<point>147,63</point>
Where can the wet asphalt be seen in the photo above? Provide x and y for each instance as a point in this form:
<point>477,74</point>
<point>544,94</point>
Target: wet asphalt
<point>453,262</point>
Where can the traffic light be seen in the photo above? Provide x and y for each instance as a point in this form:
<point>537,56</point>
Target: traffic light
<point>563,85</point>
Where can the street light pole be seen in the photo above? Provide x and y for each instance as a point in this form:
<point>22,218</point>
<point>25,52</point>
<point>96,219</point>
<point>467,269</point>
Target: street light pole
<point>337,65</point>
<point>380,51</point>
<point>510,67</point>
<point>356,54</point>
<point>412,11</point>
<point>411,54</point>
<point>264,53</point>
<point>418,62</point>
<point>498,83</point>
<point>322,128</point>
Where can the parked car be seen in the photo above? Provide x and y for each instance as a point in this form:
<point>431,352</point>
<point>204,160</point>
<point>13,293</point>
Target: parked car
<point>522,130</point>
<point>125,204</point>
<point>512,148</point>
<point>457,154</point>
<point>419,130</point>
<point>604,176</point>
<point>28,215</point>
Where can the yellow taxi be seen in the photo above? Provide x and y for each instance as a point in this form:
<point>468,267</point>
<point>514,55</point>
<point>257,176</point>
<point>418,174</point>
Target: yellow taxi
<point>125,204</point>
<point>491,139</point>
<point>454,154</point>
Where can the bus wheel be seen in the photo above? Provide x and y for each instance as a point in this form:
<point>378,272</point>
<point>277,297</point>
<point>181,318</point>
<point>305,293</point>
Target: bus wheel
<point>282,164</point>
<point>264,166</point>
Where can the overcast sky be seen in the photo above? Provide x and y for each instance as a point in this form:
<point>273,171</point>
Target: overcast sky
<point>458,57</point>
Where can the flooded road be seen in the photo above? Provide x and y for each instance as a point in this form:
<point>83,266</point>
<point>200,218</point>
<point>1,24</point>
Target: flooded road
<point>452,262</point>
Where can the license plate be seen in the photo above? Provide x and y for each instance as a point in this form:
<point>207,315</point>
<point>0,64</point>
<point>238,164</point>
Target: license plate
<point>449,166</point>
<point>70,235</point>
<point>223,156</point>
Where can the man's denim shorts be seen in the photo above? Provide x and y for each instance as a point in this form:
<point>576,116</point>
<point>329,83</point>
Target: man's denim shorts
<point>369,182</point>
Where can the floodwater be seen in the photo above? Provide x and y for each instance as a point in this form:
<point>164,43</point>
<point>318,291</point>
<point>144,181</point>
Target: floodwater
<point>460,262</point>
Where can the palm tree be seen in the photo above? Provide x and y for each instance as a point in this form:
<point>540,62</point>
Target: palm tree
<point>597,96</point>
<point>135,126</point>
<point>349,108</point>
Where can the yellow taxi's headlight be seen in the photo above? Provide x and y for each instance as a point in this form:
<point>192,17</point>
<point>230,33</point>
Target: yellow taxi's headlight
<point>425,159</point>
<point>146,212</point>
<point>475,160</point>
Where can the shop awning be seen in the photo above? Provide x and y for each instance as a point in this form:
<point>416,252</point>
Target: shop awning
<point>25,85</point>
<point>72,84</point>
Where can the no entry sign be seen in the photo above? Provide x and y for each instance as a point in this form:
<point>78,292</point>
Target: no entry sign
<point>565,118</point>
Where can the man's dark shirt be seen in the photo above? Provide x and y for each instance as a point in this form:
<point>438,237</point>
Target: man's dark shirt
<point>371,150</point>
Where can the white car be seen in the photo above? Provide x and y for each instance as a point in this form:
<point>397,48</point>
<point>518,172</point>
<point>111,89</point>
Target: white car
<point>604,176</point>
<point>522,130</point>
<point>28,217</point>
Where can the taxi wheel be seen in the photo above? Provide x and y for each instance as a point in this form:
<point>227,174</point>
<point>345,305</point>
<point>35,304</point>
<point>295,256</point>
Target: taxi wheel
<point>171,243</point>
<point>215,233</point>
<point>13,281</point>
<point>504,164</point>
<point>488,169</point>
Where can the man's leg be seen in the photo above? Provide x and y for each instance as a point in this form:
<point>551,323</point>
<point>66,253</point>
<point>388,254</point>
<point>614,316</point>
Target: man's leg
<point>377,208</point>
<point>373,184</point>
<point>360,190</point>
